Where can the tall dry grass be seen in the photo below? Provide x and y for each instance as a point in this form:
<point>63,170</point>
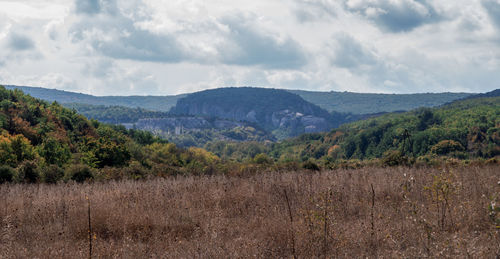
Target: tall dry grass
<point>333,214</point>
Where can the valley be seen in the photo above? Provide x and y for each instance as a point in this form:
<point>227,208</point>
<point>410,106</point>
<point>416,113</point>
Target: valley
<point>246,109</point>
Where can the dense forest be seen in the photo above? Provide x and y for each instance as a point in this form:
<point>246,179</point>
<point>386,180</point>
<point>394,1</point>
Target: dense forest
<point>42,141</point>
<point>464,129</point>
<point>113,114</point>
<point>162,124</point>
<point>287,123</point>
<point>280,114</point>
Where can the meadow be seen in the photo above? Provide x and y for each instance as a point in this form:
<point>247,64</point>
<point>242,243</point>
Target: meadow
<point>398,212</point>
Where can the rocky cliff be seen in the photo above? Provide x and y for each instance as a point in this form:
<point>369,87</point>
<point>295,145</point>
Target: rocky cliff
<point>271,109</point>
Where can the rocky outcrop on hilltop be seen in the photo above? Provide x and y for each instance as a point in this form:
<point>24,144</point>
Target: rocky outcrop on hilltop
<point>271,109</point>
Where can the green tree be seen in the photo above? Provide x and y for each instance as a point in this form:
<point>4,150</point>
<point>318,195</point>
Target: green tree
<point>54,152</point>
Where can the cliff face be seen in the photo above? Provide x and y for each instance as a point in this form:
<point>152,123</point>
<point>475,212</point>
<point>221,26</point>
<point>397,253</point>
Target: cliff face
<point>171,124</point>
<point>271,109</point>
<point>186,131</point>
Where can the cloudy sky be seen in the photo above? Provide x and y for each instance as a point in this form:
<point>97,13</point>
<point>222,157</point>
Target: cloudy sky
<point>154,47</point>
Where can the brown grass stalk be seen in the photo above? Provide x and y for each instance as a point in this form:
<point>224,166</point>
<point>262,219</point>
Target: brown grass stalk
<point>268,215</point>
<point>292,231</point>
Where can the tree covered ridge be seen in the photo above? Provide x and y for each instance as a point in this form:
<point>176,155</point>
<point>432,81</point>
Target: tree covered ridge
<point>343,102</point>
<point>152,103</point>
<point>114,114</point>
<point>463,129</point>
<point>261,100</point>
<point>368,103</point>
<point>45,141</point>
<point>41,141</point>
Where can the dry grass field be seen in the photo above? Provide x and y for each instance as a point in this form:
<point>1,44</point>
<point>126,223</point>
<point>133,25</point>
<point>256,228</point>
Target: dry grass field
<point>445,213</point>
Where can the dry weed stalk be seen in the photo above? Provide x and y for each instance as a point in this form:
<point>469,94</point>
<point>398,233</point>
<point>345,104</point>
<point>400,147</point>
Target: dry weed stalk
<point>90,227</point>
<point>292,230</point>
<point>372,220</point>
<point>325,219</point>
<point>267,215</point>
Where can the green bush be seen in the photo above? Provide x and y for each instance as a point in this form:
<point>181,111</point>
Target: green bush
<point>393,158</point>
<point>79,173</point>
<point>135,171</point>
<point>6,174</point>
<point>28,172</point>
<point>310,165</point>
<point>262,159</point>
<point>52,174</point>
<point>445,147</point>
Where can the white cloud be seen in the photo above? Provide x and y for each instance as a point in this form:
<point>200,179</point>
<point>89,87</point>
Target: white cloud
<point>168,47</point>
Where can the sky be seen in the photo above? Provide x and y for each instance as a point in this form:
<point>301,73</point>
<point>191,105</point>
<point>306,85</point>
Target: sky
<point>153,47</point>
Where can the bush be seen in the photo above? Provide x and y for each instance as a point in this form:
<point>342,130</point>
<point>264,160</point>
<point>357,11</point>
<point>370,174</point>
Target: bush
<point>395,158</point>
<point>165,170</point>
<point>445,147</point>
<point>135,171</point>
<point>427,160</point>
<point>28,172</point>
<point>52,174</point>
<point>262,159</point>
<point>6,174</point>
<point>79,173</point>
<point>310,165</point>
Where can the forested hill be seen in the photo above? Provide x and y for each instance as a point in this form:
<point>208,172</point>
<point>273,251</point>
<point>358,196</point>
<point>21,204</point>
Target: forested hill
<point>367,103</point>
<point>114,114</point>
<point>343,102</point>
<point>41,141</point>
<point>494,93</point>
<point>463,129</point>
<point>152,103</point>
<point>272,109</point>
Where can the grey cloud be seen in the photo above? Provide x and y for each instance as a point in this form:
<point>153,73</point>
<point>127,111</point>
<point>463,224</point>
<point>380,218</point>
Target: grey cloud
<point>20,42</point>
<point>253,47</point>
<point>100,68</point>
<point>141,45</point>
<point>397,16</point>
<point>361,60</point>
<point>310,11</point>
<point>116,36</point>
<point>349,53</point>
<point>493,9</point>
<point>92,7</point>
<point>88,6</point>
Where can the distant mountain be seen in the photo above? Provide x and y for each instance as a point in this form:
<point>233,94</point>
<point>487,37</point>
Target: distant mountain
<point>114,114</point>
<point>365,103</point>
<point>494,93</point>
<point>152,103</point>
<point>284,113</point>
<point>343,102</point>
